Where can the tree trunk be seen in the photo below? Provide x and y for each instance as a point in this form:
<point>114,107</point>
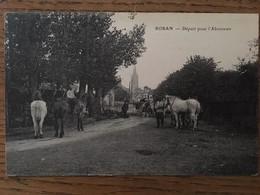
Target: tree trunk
<point>33,83</point>
<point>90,101</point>
<point>82,87</point>
<point>98,103</point>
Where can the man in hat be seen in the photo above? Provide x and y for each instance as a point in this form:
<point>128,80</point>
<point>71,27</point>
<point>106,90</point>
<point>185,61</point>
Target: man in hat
<point>125,109</point>
<point>71,101</point>
<point>159,107</point>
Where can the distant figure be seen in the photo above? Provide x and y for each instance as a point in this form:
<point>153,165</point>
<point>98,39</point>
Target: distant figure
<point>159,106</point>
<point>37,95</point>
<point>125,109</point>
<point>81,110</point>
<point>90,103</point>
<point>71,102</point>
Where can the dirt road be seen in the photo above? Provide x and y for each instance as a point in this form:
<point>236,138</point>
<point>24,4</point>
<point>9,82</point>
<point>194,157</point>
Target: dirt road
<point>133,146</point>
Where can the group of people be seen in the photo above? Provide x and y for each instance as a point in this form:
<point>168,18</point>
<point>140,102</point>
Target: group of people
<point>70,94</point>
<point>71,98</point>
<point>159,106</point>
<point>60,109</point>
<point>156,106</point>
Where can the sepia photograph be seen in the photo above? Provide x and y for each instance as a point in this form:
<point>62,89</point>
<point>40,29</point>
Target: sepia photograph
<point>102,93</point>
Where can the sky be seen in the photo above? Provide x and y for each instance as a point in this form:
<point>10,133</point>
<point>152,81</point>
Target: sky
<point>190,34</point>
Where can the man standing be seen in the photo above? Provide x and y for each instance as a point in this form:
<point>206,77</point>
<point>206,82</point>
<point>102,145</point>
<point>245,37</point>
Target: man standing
<point>159,107</point>
<point>37,95</point>
<point>125,109</point>
<point>71,101</point>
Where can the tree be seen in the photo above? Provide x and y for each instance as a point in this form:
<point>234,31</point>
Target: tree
<point>63,48</point>
<point>194,79</point>
<point>225,86</point>
<point>247,69</point>
<point>98,49</point>
<point>24,49</point>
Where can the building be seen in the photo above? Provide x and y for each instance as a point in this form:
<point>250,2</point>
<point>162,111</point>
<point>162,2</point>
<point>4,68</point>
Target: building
<point>109,99</point>
<point>135,92</point>
<point>118,93</point>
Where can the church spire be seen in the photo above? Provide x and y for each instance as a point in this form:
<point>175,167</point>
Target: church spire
<point>134,72</point>
<point>135,84</point>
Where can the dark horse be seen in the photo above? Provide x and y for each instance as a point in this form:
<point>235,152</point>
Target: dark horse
<point>60,110</point>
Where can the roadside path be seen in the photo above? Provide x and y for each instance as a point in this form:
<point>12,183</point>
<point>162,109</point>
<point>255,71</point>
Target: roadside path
<point>71,134</point>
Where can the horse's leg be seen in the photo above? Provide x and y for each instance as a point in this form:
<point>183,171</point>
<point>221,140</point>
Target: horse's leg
<point>81,123</point>
<point>67,117</point>
<point>70,112</point>
<point>40,126</point>
<point>185,120</point>
<point>61,126</point>
<point>35,127</point>
<point>192,117</point>
<point>56,125</point>
<point>78,117</point>
<point>181,120</point>
<point>176,120</point>
<point>172,120</point>
<point>72,117</point>
<point>195,121</point>
<point>188,119</point>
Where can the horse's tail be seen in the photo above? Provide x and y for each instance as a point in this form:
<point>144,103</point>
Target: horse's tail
<point>37,111</point>
<point>198,109</point>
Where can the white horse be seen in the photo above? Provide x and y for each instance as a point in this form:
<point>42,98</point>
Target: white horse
<point>189,106</point>
<point>38,112</point>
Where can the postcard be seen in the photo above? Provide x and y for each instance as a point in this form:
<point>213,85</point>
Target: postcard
<point>102,93</point>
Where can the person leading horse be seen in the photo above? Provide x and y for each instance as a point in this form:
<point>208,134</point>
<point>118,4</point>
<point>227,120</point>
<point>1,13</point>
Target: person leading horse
<point>159,108</point>
<point>71,98</point>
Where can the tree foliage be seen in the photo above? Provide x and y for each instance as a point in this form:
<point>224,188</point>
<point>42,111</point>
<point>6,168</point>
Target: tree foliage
<point>194,79</point>
<point>64,48</point>
<point>230,94</point>
<point>61,48</point>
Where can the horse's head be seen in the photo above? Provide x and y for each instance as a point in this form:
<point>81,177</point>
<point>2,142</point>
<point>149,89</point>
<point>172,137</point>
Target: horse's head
<point>170,99</point>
